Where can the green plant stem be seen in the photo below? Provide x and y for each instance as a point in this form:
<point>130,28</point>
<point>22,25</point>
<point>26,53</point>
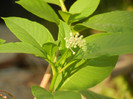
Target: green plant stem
<point>47,74</point>
<point>55,74</point>
<point>63,7</point>
<point>62,59</point>
<point>65,67</point>
<point>54,70</point>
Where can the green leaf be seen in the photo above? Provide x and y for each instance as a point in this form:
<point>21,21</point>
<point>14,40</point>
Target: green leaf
<point>68,17</point>
<point>91,95</point>
<point>116,21</point>
<point>64,32</point>
<point>86,75</point>
<point>29,31</point>
<point>66,95</point>
<point>2,41</point>
<point>57,2</point>
<point>84,8</point>
<point>20,47</point>
<point>41,93</point>
<point>65,15</point>
<point>50,50</point>
<point>40,8</point>
<point>62,59</point>
<point>107,44</point>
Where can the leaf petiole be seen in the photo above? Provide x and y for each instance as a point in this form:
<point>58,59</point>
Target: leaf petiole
<point>65,67</point>
<point>61,61</point>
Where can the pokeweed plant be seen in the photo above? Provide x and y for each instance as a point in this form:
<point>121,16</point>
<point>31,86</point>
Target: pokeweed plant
<point>77,63</point>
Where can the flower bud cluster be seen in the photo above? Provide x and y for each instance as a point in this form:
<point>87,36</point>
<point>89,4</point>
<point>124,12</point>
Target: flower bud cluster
<point>76,41</point>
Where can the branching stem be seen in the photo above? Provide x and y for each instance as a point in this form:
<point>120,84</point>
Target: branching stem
<point>63,7</point>
<point>55,74</point>
<point>51,67</point>
<point>65,67</point>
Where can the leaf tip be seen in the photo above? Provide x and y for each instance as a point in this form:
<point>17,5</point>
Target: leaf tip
<point>2,41</point>
<point>18,2</point>
<point>2,18</point>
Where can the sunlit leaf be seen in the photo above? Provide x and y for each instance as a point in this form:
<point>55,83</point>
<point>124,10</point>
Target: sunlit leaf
<point>40,8</point>
<point>64,32</point>
<point>20,47</point>
<point>84,8</point>
<point>86,75</point>
<point>68,17</point>
<point>107,44</point>
<point>66,95</point>
<point>29,31</point>
<point>65,15</point>
<point>57,2</point>
<point>41,93</point>
<point>50,50</point>
<point>91,95</point>
<point>116,21</point>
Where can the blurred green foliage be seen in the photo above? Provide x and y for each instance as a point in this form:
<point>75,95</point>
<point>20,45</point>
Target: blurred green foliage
<point>111,5</point>
<point>118,88</point>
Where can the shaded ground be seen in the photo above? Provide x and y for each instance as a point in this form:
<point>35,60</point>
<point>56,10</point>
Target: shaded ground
<point>18,80</point>
<point>13,80</point>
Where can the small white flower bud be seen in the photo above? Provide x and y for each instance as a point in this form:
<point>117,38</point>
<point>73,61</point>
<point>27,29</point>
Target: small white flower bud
<point>75,46</point>
<point>73,53</point>
<point>71,34</point>
<point>74,41</point>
